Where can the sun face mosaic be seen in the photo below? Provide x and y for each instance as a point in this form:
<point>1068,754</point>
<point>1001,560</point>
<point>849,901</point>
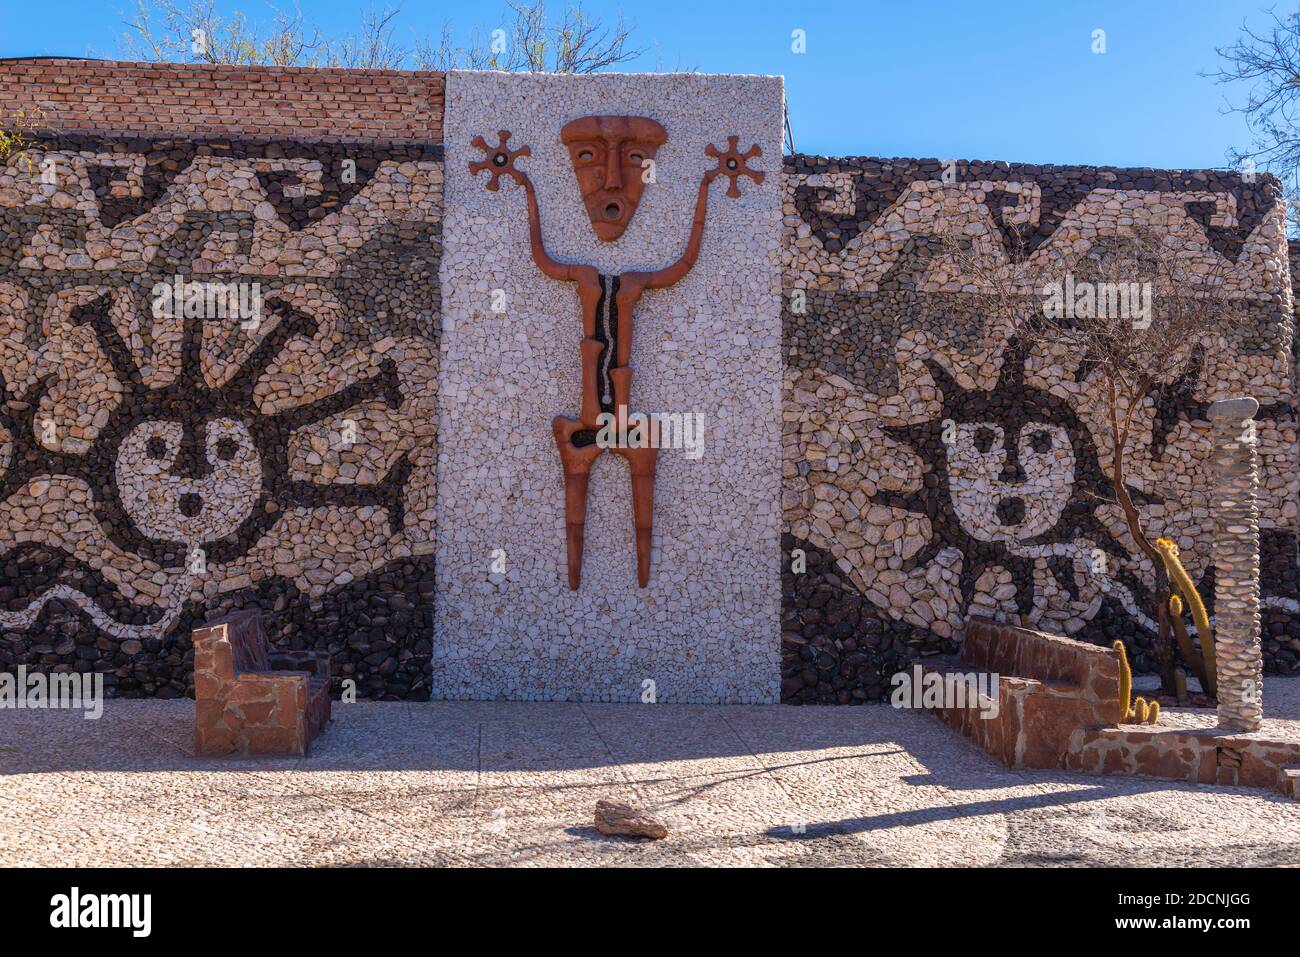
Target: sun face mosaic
<point>938,464</point>
<point>166,457</point>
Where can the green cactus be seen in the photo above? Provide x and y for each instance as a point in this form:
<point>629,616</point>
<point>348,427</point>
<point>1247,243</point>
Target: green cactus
<point>1146,712</point>
<point>1183,581</point>
<point>1141,711</point>
<point>1190,655</point>
<point>1193,660</point>
<point>1125,679</point>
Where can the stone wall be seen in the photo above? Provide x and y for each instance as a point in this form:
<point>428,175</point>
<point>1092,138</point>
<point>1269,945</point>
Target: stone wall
<point>905,535</point>
<point>163,465</point>
<point>824,539</point>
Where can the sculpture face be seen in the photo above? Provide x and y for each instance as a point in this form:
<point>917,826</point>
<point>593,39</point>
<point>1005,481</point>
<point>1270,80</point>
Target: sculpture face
<point>608,154</point>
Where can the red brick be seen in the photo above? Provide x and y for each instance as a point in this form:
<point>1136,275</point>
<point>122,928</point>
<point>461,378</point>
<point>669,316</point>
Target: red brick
<point>187,100</point>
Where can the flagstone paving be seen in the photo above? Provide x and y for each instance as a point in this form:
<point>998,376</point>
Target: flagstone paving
<point>494,783</point>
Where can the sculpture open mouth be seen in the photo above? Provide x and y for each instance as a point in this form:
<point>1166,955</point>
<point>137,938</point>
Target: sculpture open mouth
<point>610,212</point>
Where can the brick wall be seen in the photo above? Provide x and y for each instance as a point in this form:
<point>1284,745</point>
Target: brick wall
<point>182,100</point>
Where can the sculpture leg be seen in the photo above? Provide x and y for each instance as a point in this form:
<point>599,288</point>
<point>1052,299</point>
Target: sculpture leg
<point>591,350</point>
<point>641,462</point>
<point>576,461</point>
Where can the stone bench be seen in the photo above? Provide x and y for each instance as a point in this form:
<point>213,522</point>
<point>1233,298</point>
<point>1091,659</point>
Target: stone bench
<point>1058,708</point>
<point>1048,686</point>
<point>250,699</point>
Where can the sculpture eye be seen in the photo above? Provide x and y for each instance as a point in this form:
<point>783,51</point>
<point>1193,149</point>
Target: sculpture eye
<point>586,156</point>
<point>637,157</point>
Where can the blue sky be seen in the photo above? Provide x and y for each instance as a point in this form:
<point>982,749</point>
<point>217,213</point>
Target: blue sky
<point>1015,80</point>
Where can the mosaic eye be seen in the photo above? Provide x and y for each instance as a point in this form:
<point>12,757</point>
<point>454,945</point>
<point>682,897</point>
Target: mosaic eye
<point>226,449</point>
<point>156,448</point>
<point>1041,442</point>
<point>984,439</point>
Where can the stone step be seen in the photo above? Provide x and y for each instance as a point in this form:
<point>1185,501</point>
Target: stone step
<point>1288,780</point>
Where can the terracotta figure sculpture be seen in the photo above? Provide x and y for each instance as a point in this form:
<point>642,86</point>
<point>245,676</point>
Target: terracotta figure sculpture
<point>609,155</point>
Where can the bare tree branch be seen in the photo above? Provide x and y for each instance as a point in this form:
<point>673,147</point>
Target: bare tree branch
<point>199,34</point>
<point>1267,65</point>
<point>373,48</point>
<point>574,43</point>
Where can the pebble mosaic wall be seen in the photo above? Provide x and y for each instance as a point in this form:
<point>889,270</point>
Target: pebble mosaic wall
<point>905,535</point>
<point>165,459</point>
<point>219,364</point>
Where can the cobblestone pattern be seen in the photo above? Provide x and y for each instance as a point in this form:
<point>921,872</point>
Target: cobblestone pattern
<point>485,783</point>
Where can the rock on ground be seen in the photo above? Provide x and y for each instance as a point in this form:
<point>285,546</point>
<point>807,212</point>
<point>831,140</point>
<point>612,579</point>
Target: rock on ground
<point>623,820</point>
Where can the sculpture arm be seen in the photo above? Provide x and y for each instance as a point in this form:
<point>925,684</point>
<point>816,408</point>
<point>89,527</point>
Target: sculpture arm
<point>565,272</point>
<point>732,164</point>
<point>662,278</point>
<point>500,161</point>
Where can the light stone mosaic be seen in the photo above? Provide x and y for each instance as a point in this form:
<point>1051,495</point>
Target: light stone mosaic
<point>706,629</point>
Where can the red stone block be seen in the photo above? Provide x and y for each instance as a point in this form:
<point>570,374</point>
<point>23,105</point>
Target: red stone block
<point>1116,759</point>
<point>254,709</point>
<point>214,740</point>
<point>1225,775</point>
<point>1048,721</point>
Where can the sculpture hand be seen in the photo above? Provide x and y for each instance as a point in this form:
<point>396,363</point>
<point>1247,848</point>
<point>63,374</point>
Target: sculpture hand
<point>499,160</point>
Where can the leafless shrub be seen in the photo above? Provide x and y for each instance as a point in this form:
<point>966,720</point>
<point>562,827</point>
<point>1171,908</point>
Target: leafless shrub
<point>528,41</point>
<point>1137,314</point>
<point>164,30</point>
<point>1267,64</point>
